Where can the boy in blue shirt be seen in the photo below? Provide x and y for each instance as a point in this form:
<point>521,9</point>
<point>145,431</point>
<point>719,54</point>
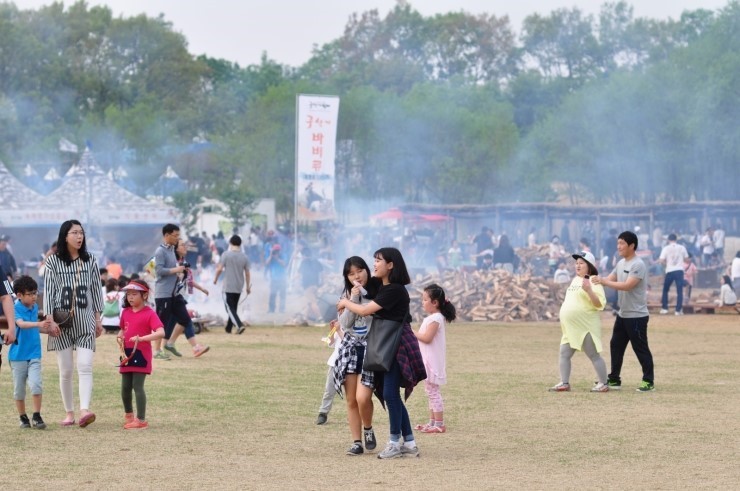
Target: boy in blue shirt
<point>25,353</point>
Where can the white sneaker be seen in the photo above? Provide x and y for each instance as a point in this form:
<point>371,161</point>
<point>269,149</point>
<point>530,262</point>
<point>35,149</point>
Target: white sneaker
<point>391,451</point>
<point>412,451</point>
<point>679,312</point>
<point>599,387</point>
<point>663,311</point>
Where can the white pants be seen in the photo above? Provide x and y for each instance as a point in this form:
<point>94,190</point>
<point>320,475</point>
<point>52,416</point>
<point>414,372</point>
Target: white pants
<point>84,373</point>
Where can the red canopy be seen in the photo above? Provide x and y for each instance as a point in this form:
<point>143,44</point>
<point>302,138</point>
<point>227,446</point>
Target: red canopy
<point>396,214</point>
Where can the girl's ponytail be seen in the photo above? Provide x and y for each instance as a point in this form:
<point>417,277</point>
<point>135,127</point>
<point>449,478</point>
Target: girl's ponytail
<point>446,308</point>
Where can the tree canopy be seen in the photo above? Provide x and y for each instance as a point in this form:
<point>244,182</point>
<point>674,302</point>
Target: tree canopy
<point>450,108</point>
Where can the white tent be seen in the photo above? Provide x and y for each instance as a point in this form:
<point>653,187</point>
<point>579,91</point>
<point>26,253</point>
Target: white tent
<point>169,183</point>
<point>88,194</point>
<point>15,199</point>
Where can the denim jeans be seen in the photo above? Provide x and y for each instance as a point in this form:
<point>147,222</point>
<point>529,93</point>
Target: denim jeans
<point>676,276</point>
<point>398,416</point>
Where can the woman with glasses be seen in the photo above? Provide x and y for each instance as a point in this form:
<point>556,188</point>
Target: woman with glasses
<point>72,284</point>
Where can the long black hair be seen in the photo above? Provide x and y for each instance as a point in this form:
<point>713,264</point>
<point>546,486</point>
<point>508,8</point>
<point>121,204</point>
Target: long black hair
<point>437,294</point>
<point>358,262</point>
<point>62,250</point>
<point>399,273</point>
<point>727,280</point>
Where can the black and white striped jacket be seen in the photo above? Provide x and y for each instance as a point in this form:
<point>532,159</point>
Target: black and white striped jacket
<point>87,295</point>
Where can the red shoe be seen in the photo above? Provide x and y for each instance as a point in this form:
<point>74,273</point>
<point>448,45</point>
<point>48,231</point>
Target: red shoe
<point>127,418</point>
<point>136,424</point>
<point>434,429</point>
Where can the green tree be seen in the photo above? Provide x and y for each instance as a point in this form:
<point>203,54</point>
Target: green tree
<point>239,201</point>
<point>187,204</point>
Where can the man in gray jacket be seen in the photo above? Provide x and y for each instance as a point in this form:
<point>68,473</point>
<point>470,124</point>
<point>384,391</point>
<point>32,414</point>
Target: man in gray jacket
<point>166,270</point>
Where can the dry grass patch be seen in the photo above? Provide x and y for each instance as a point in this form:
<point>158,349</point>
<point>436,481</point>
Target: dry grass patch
<point>242,417</point>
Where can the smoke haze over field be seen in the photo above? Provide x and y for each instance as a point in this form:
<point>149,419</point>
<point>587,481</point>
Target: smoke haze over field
<point>288,29</point>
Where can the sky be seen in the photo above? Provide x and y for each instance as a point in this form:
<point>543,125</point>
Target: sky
<point>287,30</point>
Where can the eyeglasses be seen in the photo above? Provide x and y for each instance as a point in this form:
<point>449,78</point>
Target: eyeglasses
<point>77,232</point>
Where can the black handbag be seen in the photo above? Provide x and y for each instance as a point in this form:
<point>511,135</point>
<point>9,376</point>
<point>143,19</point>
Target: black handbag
<point>383,340</point>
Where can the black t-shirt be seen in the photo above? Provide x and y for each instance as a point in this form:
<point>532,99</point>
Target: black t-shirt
<point>483,242</point>
<point>394,300</point>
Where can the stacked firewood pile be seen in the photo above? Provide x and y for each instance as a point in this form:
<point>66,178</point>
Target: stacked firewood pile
<point>485,296</point>
<point>493,296</point>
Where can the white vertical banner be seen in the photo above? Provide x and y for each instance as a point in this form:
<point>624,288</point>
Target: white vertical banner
<point>316,143</point>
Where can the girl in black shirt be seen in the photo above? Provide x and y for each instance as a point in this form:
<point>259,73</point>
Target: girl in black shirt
<point>391,303</point>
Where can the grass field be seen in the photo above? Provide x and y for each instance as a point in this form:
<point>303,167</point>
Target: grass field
<point>242,417</point>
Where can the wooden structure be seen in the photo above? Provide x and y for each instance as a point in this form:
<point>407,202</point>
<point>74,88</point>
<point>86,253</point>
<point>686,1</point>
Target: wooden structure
<point>509,216</point>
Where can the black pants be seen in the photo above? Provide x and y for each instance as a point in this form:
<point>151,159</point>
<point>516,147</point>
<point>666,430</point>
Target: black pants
<point>232,303</point>
<point>632,330</point>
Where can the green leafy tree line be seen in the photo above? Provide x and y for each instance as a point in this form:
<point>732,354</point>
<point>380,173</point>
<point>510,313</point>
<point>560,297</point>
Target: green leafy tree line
<point>454,107</point>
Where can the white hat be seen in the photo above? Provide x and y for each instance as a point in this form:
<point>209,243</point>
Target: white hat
<point>586,256</point>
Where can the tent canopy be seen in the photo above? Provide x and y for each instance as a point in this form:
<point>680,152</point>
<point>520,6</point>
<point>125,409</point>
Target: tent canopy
<point>85,193</point>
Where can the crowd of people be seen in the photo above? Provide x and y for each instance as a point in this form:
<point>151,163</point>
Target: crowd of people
<point>82,300</point>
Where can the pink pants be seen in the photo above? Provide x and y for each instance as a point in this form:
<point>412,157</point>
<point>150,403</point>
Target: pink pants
<point>436,404</point>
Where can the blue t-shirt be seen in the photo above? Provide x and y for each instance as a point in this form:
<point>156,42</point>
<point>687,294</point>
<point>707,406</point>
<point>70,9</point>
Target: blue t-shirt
<point>28,344</point>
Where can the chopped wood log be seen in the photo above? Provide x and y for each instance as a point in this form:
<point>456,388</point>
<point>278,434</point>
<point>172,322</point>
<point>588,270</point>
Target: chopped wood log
<point>485,296</point>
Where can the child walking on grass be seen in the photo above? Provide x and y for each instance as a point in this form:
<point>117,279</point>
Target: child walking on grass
<point>140,325</point>
<point>432,343</point>
<point>25,353</point>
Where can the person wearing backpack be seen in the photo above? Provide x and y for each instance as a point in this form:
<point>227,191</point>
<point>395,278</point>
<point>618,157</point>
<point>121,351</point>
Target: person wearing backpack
<point>111,306</point>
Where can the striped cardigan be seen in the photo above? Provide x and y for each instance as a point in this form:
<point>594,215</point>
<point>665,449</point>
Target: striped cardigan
<point>87,295</point>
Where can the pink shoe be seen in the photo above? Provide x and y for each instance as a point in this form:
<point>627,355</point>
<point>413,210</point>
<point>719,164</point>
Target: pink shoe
<point>87,420</point>
<point>200,350</point>
<point>434,429</point>
<point>66,423</point>
<point>420,427</point>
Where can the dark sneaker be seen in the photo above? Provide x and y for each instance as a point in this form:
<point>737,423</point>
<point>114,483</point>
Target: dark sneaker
<point>25,423</point>
<point>172,350</point>
<point>646,386</point>
<point>161,355</point>
<point>38,423</point>
<point>370,442</point>
<point>614,384</point>
<point>321,419</point>
<point>355,449</point>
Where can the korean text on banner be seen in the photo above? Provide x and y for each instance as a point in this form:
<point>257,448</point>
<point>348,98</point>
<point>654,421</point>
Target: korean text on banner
<point>315,153</point>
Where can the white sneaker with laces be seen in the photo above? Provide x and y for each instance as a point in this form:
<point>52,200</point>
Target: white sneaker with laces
<point>409,451</point>
<point>663,311</point>
<point>599,387</point>
<point>392,450</point>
